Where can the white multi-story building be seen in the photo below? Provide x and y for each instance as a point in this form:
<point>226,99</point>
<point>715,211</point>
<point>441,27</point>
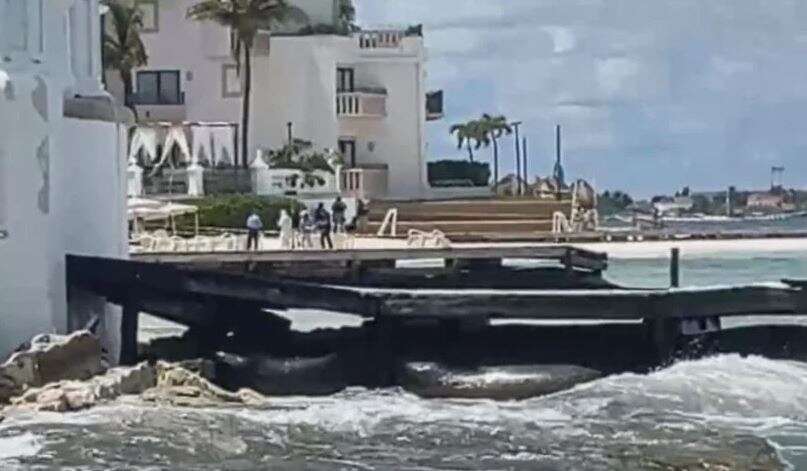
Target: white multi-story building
<point>62,169</point>
<point>363,93</point>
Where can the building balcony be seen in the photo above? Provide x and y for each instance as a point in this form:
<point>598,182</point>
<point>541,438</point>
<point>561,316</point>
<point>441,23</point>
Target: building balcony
<point>361,104</point>
<point>149,109</point>
<point>383,42</point>
<point>365,182</point>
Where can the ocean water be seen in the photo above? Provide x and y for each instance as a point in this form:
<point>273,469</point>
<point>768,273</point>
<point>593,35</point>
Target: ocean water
<point>723,412</point>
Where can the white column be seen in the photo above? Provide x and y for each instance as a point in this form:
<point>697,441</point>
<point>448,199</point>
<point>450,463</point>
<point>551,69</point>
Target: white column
<point>261,180</point>
<point>196,180</point>
<point>134,176</point>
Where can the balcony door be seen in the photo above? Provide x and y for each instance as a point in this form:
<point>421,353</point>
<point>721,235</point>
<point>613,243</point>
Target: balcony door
<point>347,147</point>
<point>345,82</point>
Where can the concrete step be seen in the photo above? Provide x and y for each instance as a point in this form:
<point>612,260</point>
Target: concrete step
<point>470,226</point>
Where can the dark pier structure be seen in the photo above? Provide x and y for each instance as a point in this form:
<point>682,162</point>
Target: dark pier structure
<point>434,305</point>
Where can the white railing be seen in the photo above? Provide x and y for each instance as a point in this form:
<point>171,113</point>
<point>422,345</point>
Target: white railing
<point>361,104</point>
<point>279,182</point>
<point>364,182</point>
<point>380,39</point>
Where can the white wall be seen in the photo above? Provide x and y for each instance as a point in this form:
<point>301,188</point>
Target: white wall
<point>60,179</point>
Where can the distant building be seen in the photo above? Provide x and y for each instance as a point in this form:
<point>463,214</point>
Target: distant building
<point>362,93</point>
<point>673,206</point>
<point>766,200</point>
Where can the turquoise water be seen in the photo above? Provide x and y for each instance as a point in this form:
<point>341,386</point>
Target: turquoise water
<point>726,268</point>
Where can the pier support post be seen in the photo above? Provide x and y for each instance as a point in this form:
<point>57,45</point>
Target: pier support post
<point>128,333</point>
<point>675,273</point>
<point>663,335</point>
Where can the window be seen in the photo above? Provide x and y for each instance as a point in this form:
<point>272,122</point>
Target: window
<point>151,15</point>
<point>344,80</point>
<point>230,81</point>
<point>347,147</point>
<point>159,88</point>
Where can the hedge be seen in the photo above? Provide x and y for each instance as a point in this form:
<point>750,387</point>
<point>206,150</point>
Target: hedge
<point>231,211</point>
<point>453,172</point>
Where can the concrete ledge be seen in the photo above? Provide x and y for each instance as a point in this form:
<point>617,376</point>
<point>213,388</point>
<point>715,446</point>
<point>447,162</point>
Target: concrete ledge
<point>97,108</point>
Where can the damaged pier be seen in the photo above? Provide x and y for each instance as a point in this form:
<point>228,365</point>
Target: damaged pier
<point>453,289</point>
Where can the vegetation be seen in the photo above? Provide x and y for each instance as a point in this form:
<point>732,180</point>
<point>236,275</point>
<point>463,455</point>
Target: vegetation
<point>300,155</point>
<point>458,173</point>
<point>231,211</point>
<point>469,134</point>
<point>123,50</point>
<point>244,18</point>
<point>494,127</point>
<point>613,202</point>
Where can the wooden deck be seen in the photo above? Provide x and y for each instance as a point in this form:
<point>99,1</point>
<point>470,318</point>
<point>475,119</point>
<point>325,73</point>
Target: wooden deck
<point>565,255</point>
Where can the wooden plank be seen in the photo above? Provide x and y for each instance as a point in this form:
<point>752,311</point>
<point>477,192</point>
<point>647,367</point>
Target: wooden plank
<point>592,304</point>
<point>111,277</point>
<point>580,258</point>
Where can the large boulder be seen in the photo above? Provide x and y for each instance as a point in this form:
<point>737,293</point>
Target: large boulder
<point>281,376</point>
<point>499,383</point>
<point>51,358</point>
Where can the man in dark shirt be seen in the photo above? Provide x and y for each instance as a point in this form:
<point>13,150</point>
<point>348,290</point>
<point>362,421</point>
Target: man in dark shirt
<point>323,220</point>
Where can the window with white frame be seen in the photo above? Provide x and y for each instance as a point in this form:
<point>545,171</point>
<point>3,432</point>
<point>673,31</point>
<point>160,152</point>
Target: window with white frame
<point>150,10</point>
<point>231,83</point>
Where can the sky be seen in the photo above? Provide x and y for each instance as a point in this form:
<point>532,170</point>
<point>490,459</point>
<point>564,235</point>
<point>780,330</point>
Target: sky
<point>652,95</point>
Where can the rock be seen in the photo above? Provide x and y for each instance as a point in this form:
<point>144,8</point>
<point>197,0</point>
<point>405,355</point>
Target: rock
<point>276,376</point>
<point>177,386</point>
<point>70,395</point>
<point>51,358</point>
<point>498,383</point>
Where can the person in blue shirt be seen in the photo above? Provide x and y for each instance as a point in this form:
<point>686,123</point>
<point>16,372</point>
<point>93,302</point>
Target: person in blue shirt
<point>254,227</point>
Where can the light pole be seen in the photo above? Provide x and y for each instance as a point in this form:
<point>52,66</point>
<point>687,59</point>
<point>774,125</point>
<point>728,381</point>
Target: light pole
<point>515,126</point>
<point>526,173</point>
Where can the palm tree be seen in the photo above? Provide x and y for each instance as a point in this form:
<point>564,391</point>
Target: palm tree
<point>494,127</point>
<point>123,49</point>
<point>467,134</point>
<point>244,18</point>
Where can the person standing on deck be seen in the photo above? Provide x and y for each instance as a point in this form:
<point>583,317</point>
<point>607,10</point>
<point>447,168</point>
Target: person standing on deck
<point>307,228</point>
<point>338,210</point>
<point>254,227</point>
<point>286,230</point>
<point>322,218</point>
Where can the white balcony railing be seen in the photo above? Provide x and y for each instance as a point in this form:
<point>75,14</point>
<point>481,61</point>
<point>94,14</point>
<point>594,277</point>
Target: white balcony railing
<point>366,182</point>
<point>361,105</point>
<point>381,39</point>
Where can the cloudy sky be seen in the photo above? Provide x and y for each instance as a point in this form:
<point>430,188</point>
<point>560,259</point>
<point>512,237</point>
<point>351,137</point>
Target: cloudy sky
<point>652,94</point>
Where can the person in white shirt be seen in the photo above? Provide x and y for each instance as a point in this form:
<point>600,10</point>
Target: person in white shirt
<point>254,226</point>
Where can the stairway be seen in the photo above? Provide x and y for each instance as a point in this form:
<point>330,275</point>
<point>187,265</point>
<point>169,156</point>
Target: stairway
<point>472,219</point>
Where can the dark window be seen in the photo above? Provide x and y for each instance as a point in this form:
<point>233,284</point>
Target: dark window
<point>159,88</point>
<point>347,147</point>
<point>344,80</point>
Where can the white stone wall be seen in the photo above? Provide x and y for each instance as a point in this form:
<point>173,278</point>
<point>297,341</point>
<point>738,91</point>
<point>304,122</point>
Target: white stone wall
<point>60,180</point>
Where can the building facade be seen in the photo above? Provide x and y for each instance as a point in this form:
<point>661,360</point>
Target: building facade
<point>362,94</point>
<point>61,165</point>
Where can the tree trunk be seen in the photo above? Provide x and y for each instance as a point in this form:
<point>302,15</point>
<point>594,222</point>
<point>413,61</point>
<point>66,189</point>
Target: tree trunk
<point>128,89</point>
<point>495,162</point>
<point>245,105</point>
<point>470,151</point>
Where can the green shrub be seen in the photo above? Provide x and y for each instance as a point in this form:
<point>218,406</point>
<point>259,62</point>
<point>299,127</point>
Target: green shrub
<point>231,211</point>
<point>451,172</point>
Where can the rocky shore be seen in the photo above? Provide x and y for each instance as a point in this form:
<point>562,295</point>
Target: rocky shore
<point>68,373</point>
